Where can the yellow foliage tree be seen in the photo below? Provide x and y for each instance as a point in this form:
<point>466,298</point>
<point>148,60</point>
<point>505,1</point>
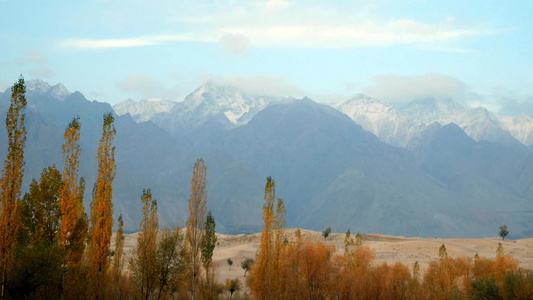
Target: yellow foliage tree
<point>11,180</point>
<point>102,208</point>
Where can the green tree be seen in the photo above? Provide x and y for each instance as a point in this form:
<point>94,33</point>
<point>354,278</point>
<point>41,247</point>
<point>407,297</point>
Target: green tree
<point>208,245</point>
<point>230,263</point>
<point>246,264</point>
<point>40,211</point>
<point>11,180</point>
<point>503,231</point>
<point>172,260</point>
<point>326,232</point>
<point>196,221</point>
<point>38,257</point>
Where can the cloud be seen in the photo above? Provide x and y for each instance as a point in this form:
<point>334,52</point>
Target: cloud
<point>38,64</point>
<point>42,72</point>
<point>235,44</point>
<point>32,57</point>
<point>275,4</point>
<point>262,85</point>
<point>94,44</point>
<point>287,24</point>
<point>146,87</point>
<point>141,84</point>
<point>398,88</point>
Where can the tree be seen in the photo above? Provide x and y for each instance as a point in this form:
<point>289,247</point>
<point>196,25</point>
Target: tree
<point>326,232</point>
<point>154,266</point>
<point>246,264</point>
<point>102,207</point>
<point>11,180</point>
<point>118,290</point>
<point>230,263</point>
<point>171,259</point>
<point>196,221</point>
<point>503,231</point>
<point>118,259</point>
<point>143,264</point>
<point>73,227</point>
<point>232,285</point>
<point>40,211</point>
<point>38,258</point>
<point>208,245</point>
<point>265,273</point>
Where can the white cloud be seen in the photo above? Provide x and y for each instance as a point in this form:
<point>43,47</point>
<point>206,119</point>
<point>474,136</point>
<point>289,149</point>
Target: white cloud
<point>235,44</point>
<point>398,88</point>
<point>88,44</point>
<point>42,72</point>
<point>146,87</point>
<point>262,85</point>
<point>287,24</point>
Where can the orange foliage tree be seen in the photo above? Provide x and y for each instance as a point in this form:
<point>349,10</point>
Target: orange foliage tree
<point>11,180</point>
<point>266,273</point>
<point>102,208</point>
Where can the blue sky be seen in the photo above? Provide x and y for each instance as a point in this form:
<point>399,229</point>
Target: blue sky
<point>477,52</point>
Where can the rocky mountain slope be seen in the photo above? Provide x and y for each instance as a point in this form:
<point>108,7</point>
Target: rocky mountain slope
<point>329,170</point>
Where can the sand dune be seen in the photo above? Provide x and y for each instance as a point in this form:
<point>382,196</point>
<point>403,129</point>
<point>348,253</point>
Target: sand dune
<point>388,249</point>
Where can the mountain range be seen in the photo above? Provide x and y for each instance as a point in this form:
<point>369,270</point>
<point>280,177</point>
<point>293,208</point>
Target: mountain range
<point>427,168</point>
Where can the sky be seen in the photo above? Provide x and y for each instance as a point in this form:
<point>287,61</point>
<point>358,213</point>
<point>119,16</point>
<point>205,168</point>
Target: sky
<point>477,52</point>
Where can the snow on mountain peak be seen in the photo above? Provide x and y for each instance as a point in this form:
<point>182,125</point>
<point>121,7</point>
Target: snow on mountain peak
<point>143,110</point>
<point>59,91</point>
<point>37,86</point>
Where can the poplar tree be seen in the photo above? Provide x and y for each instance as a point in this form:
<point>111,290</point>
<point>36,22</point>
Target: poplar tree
<point>208,245</point>
<point>266,280</point>
<point>143,264</point>
<point>73,227</point>
<point>11,180</point>
<point>118,261</point>
<point>71,207</point>
<point>102,207</point>
<point>196,221</point>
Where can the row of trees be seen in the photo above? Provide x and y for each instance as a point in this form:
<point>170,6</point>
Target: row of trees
<point>50,248</point>
<point>47,243</point>
<point>297,268</point>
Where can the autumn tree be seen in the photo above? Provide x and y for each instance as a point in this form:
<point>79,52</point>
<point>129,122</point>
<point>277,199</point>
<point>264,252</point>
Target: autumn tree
<point>196,221</point>
<point>143,264</point>
<point>265,280</point>
<point>11,180</point>
<point>102,207</point>
<point>119,289</point>
<point>73,227</point>
<point>232,286</point>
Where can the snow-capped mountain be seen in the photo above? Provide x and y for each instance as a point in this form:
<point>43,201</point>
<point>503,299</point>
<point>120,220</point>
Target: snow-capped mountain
<point>398,126</point>
<point>37,86</point>
<point>521,127</point>
<point>379,118</point>
<point>143,110</point>
<point>226,105</point>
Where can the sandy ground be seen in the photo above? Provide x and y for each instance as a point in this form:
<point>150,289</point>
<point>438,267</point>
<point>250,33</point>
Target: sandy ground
<point>388,249</point>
